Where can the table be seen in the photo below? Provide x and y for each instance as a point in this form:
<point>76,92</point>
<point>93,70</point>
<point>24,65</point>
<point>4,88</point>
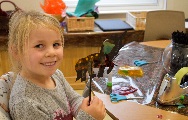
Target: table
<point>126,110</point>
<point>158,43</point>
<point>134,111</point>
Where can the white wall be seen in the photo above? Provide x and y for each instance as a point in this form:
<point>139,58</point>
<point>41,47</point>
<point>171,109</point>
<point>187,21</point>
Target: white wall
<point>23,4</point>
<point>181,5</point>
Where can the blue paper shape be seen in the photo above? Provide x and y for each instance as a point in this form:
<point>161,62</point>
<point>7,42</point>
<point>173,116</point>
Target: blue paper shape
<point>140,62</point>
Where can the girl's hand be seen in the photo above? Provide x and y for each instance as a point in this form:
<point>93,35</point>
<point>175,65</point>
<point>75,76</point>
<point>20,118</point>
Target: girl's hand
<point>96,108</point>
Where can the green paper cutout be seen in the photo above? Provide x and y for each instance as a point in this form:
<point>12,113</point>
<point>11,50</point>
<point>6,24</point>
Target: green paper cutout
<point>84,6</point>
<point>107,47</point>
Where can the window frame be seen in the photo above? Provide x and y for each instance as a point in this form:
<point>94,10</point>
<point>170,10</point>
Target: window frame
<point>122,6</point>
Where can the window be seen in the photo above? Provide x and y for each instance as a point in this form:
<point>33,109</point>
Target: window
<point>121,6</point>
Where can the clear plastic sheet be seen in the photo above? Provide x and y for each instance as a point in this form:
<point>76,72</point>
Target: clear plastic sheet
<point>148,85</point>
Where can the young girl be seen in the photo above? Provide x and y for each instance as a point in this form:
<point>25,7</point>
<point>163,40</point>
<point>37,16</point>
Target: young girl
<point>40,91</point>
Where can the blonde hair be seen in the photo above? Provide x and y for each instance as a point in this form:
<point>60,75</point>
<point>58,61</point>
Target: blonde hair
<point>20,26</point>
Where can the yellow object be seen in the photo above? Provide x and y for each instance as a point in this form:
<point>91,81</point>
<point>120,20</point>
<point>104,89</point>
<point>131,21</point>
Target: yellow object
<point>130,71</point>
<point>179,75</point>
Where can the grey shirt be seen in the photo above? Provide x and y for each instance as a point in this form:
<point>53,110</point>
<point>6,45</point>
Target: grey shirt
<point>31,102</point>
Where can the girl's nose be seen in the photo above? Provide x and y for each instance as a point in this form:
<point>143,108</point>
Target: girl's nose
<point>50,52</point>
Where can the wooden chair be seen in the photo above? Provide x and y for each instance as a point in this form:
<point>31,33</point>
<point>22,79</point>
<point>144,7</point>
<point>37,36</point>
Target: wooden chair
<point>162,23</point>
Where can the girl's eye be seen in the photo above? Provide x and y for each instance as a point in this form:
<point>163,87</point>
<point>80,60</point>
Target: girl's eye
<point>57,44</point>
<point>39,46</point>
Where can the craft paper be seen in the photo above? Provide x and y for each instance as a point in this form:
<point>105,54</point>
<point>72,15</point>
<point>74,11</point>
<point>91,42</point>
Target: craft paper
<point>83,7</point>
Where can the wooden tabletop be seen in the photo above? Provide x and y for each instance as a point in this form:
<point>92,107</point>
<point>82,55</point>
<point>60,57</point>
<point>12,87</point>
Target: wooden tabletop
<point>127,110</point>
<point>157,43</point>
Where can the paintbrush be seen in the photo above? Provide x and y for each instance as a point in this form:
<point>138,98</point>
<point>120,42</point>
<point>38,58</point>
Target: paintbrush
<point>90,70</point>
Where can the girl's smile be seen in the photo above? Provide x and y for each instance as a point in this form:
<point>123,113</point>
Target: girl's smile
<point>49,63</point>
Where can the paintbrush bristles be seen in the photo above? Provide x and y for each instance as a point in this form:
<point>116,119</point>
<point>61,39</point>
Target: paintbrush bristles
<point>180,38</point>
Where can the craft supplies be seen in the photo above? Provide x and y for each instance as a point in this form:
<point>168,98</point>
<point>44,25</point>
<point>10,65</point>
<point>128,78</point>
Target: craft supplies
<point>180,37</point>
<point>117,97</point>
<point>180,74</point>
<point>176,54</point>
<point>90,70</point>
<point>109,82</point>
<point>123,90</point>
<point>142,62</point>
<point>84,7</point>
<point>130,71</point>
<point>108,77</point>
<point>175,62</point>
<point>100,60</point>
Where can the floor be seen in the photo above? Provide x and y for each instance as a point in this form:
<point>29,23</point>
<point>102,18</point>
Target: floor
<point>107,116</point>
